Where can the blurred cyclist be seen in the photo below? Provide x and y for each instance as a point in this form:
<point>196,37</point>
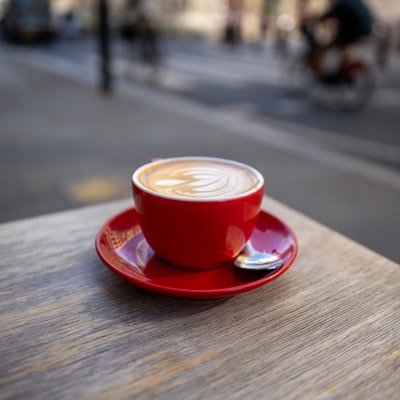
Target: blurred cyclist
<point>148,31</point>
<point>350,21</point>
<point>142,29</point>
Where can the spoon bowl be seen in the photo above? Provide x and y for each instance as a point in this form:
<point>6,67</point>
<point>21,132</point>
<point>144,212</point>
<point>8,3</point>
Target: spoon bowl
<point>252,259</point>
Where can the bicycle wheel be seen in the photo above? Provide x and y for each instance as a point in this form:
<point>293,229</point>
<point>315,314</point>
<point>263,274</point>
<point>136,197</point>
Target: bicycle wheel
<point>355,90</point>
<point>296,78</point>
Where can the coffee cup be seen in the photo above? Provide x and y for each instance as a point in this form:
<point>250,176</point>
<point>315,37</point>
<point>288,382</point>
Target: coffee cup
<point>197,212</point>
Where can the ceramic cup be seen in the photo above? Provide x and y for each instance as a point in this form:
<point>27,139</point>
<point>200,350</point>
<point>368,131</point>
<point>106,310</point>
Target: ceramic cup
<point>197,212</point>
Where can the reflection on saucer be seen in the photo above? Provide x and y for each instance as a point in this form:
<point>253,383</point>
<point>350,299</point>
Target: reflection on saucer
<point>120,238</point>
<point>136,249</point>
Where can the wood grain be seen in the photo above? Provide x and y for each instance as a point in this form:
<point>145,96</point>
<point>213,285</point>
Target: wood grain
<point>329,328</point>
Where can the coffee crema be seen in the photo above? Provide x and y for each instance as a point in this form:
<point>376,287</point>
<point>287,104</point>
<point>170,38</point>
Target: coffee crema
<point>199,178</point>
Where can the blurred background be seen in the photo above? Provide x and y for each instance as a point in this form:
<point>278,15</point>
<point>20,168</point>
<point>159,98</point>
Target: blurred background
<point>91,89</point>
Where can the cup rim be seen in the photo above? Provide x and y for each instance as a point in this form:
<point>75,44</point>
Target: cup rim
<point>254,171</point>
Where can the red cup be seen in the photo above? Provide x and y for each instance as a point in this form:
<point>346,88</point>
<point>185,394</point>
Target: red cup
<point>200,232</point>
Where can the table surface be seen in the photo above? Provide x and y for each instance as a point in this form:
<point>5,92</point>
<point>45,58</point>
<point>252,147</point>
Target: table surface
<point>328,328</point>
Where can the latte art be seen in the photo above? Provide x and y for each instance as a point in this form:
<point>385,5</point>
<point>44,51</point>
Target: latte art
<point>200,182</point>
<point>199,178</point>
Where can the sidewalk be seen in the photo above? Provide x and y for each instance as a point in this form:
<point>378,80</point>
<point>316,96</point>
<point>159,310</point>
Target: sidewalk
<point>62,145</point>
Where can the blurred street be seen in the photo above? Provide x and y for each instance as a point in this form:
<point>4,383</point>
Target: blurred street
<point>247,81</point>
<point>65,145</point>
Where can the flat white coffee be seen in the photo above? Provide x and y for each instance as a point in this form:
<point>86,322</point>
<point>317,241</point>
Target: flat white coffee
<point>199,178</point>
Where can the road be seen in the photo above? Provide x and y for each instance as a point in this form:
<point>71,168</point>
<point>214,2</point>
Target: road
<point>246,81</point>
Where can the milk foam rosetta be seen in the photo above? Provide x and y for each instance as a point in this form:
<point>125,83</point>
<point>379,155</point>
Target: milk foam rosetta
<point>199,179</point>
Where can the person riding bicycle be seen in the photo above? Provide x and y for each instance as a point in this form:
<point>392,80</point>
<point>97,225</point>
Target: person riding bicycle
<point>351,21</point>
<point>141,28</point>
<point>148,31</point>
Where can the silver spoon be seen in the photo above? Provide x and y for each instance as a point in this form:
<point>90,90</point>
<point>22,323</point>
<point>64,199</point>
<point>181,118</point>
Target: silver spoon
<point>255,260</point>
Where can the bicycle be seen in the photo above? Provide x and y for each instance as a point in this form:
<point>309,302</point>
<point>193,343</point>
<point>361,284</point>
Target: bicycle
<point>142,34</point>
<point>349,86</point>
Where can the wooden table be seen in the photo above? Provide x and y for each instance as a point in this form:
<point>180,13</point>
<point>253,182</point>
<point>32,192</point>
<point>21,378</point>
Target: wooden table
<point>329,328</point>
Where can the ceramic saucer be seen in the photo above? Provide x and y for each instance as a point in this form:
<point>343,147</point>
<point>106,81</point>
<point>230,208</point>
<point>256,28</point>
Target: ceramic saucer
<point>122,247</point>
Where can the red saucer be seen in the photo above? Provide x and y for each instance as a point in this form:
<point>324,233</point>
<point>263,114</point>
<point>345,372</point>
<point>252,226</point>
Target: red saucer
<point>122,248</point>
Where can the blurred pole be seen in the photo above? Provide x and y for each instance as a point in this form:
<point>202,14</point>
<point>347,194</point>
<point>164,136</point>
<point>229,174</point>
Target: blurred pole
<point>104,46</point>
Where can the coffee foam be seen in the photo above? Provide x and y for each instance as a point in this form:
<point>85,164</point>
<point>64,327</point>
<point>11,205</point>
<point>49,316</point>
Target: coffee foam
<point>199,178</point>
